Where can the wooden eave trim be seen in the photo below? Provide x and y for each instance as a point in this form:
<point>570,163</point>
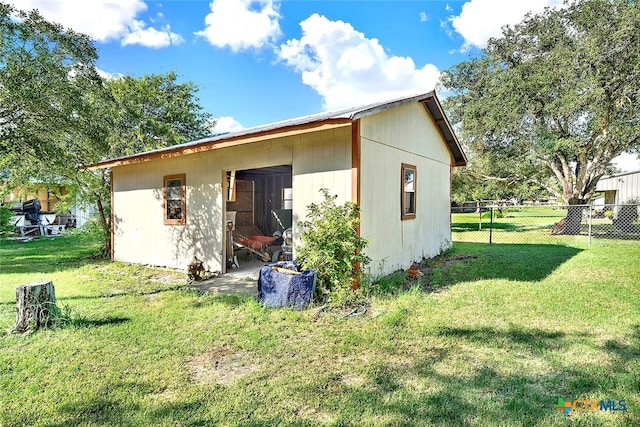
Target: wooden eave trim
<point>453,144</point>
<point>225,142</point>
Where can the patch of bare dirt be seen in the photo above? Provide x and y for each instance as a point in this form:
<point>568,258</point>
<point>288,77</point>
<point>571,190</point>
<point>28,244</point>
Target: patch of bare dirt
<point>219,366</point>
<point>314,414</point>
<point>165,278</point>
<point>457,259</point>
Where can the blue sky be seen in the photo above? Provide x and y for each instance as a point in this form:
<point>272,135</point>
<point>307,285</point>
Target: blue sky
<point>261,61</point>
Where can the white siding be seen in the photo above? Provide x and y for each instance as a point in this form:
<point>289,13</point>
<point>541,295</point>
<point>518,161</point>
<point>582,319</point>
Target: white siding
<point>405,134</point>
<point>322,159</point>
<point>626,186</point>
<point>319,160</point>
<point>140,235</point>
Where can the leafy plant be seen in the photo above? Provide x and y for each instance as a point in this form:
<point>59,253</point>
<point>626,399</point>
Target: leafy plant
<point>5,219</point>
<point>542,134</point>
<point>496,214</point>
<point>334,249</point>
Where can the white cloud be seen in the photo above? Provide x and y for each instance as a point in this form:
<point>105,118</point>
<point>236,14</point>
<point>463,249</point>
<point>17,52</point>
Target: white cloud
<point>107,75</point>
<point>104,20</point>
<point>241,24</point>
<point>480,20</point>
<point>151,37</point>
<point>627,162</point>
<point>423,17</point>
<point>346,68</point>
<point>226,124</point>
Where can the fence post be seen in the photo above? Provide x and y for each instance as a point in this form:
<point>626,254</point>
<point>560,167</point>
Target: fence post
<point>491,227</point>
<point>590,221</point>
<point>480,218</point>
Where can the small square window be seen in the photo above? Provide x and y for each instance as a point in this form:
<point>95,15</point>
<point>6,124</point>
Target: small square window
<point>408,191</point>
<point>175,205</point>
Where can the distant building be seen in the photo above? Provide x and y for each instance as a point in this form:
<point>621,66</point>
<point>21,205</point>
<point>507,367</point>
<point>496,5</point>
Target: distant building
<point>620,188</point>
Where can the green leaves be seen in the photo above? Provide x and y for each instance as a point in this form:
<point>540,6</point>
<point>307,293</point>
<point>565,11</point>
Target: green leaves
<point>557,90</point>
<point>333,248</point>
<point>57,113</point>
<point>152,112</point>
<point>47,76</point>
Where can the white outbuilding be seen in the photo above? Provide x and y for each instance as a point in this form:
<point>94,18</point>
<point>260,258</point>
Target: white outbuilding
<point>393,158</point>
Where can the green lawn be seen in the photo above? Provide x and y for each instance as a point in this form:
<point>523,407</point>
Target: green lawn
<point>532,224</point>
<point>494,335</point>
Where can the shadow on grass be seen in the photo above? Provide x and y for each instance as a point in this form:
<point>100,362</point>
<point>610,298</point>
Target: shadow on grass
<point>461,227</point>
<point>608,231</point>
<point>529,339</point>
<point>417,390</point>
<point>481,261</point>
<point>468,262</point>
<point>48,255</point>
<point>45,265</point>
<point>83,322</point>
<point>625,352</point>
<point>486,397</point>
<point>501,230</point>
<point>130,292</point>
<point>202,298</point>
<point>122,404</point>
<point>424,391</point>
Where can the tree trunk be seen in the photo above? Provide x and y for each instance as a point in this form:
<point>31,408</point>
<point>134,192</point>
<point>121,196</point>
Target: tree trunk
<point>106,228</point>
<point>36,306</point>
<point>574,217</point>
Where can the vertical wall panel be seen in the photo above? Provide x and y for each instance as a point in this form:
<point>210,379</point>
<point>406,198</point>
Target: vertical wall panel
<point>405,134</point>
<point>140,235</point>
<point>319,160</point>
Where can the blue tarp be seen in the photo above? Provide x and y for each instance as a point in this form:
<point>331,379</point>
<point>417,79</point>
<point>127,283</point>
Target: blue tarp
<point>286,289</point>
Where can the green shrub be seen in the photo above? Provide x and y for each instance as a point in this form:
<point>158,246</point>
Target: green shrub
<point>496,214</point>
<point>334,249</point>
<point>5,219</point>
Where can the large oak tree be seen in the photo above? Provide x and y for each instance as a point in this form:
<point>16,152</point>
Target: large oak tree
<point>47,82</point>
<point>555,98</point>
<point>142,114</point>
<point>57,113</point>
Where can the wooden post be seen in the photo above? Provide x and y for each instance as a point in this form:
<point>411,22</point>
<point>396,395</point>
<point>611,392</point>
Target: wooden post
<point>36,306</point>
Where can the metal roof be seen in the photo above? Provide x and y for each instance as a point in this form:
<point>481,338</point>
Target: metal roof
<point>619,175</point>
<point>342,116</point>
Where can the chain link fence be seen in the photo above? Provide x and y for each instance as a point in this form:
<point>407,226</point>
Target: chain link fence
<point>575,224</point>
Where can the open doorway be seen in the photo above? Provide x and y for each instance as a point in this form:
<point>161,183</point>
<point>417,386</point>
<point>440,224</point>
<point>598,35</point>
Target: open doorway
<point>259,217</point>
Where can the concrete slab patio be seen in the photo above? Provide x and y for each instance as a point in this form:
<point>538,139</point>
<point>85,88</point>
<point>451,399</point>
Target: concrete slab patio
<point>243,280</point>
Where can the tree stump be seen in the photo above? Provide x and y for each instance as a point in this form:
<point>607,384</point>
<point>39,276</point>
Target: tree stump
<point>36,306</point>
